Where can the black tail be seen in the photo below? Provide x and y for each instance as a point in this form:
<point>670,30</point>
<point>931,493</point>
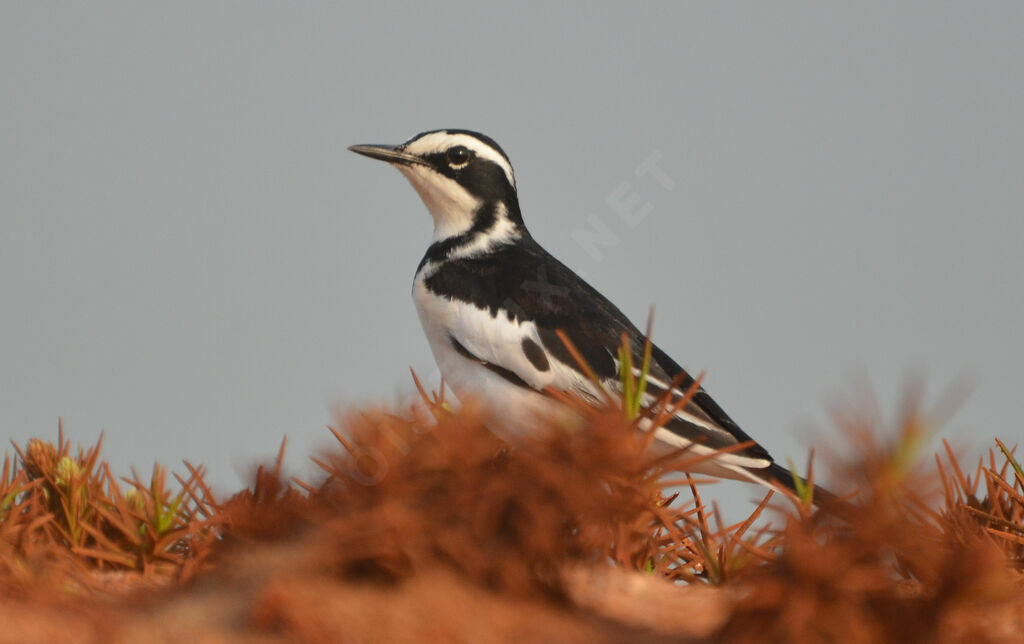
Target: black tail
<point>782,477</point>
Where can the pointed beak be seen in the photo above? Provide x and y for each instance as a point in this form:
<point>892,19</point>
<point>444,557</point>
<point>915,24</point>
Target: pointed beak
<point>389,153</point>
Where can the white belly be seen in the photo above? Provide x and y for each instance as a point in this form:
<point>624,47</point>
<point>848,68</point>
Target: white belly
<point>511,405</point>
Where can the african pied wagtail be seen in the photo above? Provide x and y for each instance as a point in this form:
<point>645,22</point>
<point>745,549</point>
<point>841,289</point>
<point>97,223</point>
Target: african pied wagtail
<point>494,337</point>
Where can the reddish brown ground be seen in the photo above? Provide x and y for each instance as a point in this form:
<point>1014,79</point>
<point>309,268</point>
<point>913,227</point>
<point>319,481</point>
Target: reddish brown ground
<point>422,532</point>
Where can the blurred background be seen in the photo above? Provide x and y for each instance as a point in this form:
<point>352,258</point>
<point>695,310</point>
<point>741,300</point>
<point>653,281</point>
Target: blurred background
<point>192,263</point>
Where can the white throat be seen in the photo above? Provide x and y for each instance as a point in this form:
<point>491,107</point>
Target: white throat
<point>451,205</point>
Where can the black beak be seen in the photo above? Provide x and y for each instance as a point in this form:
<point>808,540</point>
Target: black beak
<point>389,153</point>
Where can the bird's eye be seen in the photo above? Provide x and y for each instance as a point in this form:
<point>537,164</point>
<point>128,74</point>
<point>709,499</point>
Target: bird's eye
<point>458,156</point>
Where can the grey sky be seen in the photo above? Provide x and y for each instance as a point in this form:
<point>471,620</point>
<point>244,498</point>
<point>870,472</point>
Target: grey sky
<point>191,261</point>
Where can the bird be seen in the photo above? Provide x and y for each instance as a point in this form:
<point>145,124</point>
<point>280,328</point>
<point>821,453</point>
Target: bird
<point>492,302</point>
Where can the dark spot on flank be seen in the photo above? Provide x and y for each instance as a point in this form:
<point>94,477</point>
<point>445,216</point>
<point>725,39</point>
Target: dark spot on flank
<point>535,355</point>
<point>507,374</point>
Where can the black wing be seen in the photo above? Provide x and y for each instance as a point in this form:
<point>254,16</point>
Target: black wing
<point>523,280</point>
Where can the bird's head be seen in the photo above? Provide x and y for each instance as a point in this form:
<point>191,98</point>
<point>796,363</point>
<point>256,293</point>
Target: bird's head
<point>463,177</point>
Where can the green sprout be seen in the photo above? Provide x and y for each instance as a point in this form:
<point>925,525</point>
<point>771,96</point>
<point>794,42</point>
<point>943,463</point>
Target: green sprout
<point>633,388</point>
<point>804,491</point>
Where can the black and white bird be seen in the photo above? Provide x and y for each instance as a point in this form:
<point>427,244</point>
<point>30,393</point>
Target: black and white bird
<point>490,299</point>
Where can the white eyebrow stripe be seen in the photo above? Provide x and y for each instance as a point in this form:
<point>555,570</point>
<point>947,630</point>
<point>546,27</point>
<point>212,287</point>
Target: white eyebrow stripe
<point>442,140</point>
